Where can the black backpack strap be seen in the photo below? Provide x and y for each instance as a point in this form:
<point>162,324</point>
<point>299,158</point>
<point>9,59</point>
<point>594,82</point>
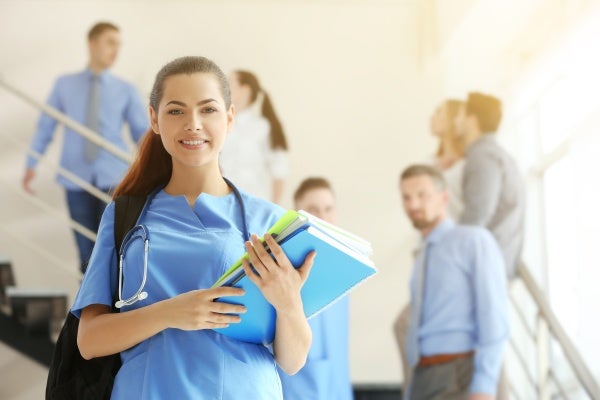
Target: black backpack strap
<point>127,212</point>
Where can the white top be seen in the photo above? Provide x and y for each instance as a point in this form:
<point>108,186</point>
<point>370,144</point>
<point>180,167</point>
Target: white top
<point>247,158</point>
<point>453,177</point>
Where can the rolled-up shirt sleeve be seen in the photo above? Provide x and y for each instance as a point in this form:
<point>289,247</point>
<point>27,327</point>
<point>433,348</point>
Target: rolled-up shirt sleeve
<point>45,127</point>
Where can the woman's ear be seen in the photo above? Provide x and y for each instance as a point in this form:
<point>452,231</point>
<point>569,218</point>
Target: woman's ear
<point>230,117</point>
<point>153,120</point>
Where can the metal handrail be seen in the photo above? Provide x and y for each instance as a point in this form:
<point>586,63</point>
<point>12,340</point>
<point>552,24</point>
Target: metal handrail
<point>74,125</point>
<point>94,191</point>
<point>581,370</point>
<point>38,249</point>
<point>43,205</point>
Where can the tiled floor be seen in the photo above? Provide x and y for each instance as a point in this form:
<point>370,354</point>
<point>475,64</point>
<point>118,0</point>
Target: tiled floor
<point>20,377</point>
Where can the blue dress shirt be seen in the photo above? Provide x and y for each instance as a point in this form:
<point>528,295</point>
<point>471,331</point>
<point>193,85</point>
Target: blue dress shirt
<point>465,301</point>
<point>119,104</point>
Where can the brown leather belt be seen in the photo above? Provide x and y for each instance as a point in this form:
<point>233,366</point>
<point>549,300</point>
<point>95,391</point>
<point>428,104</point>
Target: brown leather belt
<point>442,358</point>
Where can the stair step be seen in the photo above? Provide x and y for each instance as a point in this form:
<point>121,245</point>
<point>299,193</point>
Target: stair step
<point>42,311</point>
<point>7,278</point>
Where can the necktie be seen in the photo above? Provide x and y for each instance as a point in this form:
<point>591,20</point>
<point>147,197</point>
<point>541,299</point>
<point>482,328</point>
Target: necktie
<point>412,339</point>
<point>93,118</point>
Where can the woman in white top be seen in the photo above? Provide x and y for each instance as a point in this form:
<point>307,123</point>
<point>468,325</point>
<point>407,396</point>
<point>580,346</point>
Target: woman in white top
<point>449,158</point>
<point>255,153</point>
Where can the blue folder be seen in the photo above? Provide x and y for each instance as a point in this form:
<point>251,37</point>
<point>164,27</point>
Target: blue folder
<point>337,269</point>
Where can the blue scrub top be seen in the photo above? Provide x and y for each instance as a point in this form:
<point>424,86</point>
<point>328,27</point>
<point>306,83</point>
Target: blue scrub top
<point>326,374</point>
<point>188,249</point>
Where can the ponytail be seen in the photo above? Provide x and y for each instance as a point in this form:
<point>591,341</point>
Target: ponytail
<point>277,136</point>
<point>152,168</point>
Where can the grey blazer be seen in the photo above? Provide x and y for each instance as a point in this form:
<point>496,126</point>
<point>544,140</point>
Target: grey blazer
<point>494,196</point>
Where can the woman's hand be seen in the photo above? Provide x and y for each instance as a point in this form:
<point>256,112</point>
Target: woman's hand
<point>276,277</point>
<point>102,332</point>
<point>197,309</point>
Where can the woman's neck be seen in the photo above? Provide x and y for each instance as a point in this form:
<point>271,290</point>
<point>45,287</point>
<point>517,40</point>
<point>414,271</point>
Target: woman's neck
<point>448,155</point>
<point>191,182</point>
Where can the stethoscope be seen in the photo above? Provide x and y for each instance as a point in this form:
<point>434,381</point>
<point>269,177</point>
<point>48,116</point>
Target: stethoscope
<point>141,232</point>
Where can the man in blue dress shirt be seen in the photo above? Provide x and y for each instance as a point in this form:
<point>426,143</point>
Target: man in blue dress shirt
<point>98,99</point>
<point>459,321</point>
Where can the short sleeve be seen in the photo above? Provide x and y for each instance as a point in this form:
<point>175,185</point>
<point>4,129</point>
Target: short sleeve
<point>100,280</point>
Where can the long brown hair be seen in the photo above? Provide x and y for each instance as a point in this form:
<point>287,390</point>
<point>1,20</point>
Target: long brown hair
<point>277,136</point>
<point>449,137</point>
<point>153,166</point>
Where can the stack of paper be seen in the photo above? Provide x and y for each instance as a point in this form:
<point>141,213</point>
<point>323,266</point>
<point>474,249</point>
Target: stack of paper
<point>342,263</point>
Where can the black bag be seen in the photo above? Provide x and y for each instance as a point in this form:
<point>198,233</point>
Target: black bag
<point>71,376</point>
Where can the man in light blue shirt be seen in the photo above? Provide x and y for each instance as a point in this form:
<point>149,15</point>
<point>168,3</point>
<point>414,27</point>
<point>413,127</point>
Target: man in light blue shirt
<point>459,322</point>
<point>98,99</point>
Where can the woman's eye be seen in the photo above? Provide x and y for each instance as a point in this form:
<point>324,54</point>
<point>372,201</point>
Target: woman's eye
<point>175,112</point>
<point>209,110</point>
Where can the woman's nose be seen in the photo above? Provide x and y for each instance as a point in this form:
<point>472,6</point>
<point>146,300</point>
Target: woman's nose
<point>194,124</point>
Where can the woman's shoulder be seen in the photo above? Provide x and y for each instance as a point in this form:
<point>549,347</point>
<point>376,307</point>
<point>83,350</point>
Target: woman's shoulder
<point>252,120</point>
<point>259,204</point>
<point>261,211</point>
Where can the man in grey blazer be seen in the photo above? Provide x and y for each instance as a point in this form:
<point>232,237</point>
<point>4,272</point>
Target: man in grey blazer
<point>493,188</point>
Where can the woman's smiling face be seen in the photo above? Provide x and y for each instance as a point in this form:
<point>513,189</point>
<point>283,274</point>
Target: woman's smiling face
<point>192,119</point>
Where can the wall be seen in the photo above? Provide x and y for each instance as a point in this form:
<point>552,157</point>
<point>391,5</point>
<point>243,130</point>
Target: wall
<point>343,76</point>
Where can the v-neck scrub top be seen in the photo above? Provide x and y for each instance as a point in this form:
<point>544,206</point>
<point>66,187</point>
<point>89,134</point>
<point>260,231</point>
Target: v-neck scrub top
<point>188,249</point>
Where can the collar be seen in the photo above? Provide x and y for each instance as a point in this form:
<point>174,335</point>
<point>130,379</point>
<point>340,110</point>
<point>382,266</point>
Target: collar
<point>439,231</point>
<point>87,72</point>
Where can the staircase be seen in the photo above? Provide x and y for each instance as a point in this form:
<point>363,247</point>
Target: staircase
<point>30,318</point>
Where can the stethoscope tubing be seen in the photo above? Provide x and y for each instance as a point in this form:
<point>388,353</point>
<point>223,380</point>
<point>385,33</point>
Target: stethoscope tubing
<point>140,230</point>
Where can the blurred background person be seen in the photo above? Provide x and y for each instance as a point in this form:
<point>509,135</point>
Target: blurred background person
<point>104,103</point>
<point>458,326</point>
<point>449,160</point>
<point>493,189</point>
<point>326,374</point>
<point>255,153</point>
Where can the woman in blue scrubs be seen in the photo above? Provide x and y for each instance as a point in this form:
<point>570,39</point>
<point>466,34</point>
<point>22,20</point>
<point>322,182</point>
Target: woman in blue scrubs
<point>194,225</point>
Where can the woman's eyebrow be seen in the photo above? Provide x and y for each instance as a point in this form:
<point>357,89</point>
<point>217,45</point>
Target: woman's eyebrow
<point>182,104</point>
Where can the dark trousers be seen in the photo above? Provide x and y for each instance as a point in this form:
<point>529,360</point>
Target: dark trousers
<point>87,210</point>
<point>448,381</point>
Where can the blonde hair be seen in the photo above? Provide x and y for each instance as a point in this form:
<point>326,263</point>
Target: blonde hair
<point>449,137</point>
